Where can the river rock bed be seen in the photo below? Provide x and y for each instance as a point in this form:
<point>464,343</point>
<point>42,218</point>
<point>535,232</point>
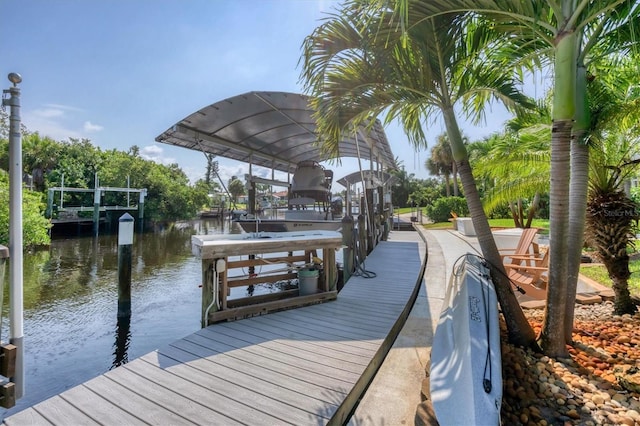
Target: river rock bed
<point>585,389</point>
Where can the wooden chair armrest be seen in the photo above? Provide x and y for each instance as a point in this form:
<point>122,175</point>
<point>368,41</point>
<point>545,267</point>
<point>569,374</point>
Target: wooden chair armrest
<point>535,253</point>
<point>526,267</point>
<point>526,256</point>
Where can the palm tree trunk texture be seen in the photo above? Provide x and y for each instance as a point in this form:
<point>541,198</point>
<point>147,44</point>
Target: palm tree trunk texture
<point>519,330</point>
<point>578,193</point>
<point>619,273</point>
<point>552,339</point>
<point>577,207</point>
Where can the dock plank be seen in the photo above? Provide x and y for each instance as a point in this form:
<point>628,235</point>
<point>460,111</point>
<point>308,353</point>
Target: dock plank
<point>237,385</point>
<point>134,379</point>
<point>328,349</point>
<point>96,407</point>
<point>33,417</point>
<point>132,402</point>
<point>315,322</point>
<point>302,335</point>
<point>275,366</point>
<point>196,385</point>
<point>256,371</point>
<point>267,350</point>
<point>306,366</point>
<point>58,411</point>
<point>282,352</point>
<point>293,363</point>
<point>265,410</point>
<point>325,333</point>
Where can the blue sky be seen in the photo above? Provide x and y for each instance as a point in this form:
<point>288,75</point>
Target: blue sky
<point>121,72</point>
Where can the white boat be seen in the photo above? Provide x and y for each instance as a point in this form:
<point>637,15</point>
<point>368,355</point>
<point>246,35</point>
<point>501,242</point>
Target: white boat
<point>466,364</point>
<point>309,205</point>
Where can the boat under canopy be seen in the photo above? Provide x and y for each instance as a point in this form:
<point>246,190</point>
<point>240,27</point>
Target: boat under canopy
<point>277,130</point>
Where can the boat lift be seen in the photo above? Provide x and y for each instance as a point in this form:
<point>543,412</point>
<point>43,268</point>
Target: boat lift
<point>278,131</point>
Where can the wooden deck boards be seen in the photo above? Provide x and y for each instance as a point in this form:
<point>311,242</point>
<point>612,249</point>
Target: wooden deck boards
<point>305,366</point>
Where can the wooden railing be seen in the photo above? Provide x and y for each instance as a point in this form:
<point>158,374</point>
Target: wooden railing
<point>222,271</point>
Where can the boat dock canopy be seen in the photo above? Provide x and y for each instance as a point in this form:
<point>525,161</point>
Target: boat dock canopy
<point>270,129</point>
<point>372,177</point>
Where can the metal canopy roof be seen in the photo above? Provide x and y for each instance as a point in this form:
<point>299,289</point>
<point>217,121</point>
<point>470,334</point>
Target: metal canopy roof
<point>370,176</point>
<point>270,129</point>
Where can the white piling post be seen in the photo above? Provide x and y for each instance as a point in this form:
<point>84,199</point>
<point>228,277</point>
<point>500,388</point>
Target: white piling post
<point>15,231</point>
<point>125,243</point>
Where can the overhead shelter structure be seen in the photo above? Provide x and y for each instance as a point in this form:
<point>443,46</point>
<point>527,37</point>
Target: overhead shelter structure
<point>276,130</point>
<point>369,180</point>
<point>375,198</point>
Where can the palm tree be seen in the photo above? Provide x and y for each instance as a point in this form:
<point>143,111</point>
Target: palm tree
<point>566,30</point>
<point>612,135</point>
<point>357,66</point>
<point>610,213</point>
<point>405,184</point>
<point>441,161</point>
<point>519,164</point>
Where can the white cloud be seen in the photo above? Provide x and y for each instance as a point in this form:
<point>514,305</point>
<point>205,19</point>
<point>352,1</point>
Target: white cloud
<point>49,112</point>
<point>63,107</point>
<point>226,171</point>
<point>90,127</point>
<point>59,122</point>
<point>49,123</point>
<point>155,153</point>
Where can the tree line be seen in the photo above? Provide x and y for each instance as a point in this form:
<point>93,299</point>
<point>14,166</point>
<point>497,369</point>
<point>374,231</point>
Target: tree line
<point>170,195</point>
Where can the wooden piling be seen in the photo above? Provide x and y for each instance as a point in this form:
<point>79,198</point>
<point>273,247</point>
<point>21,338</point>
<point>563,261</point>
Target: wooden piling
<point>347,252</point>
<point>4,255</point>
<point>125,244</point>
<point>362,237</point>
<point>96,211</point>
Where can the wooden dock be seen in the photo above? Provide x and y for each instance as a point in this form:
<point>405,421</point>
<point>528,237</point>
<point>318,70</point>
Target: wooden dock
<point>305,366</point>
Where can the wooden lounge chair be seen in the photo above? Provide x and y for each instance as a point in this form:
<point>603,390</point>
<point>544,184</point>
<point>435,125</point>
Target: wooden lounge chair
<point>530,276</point>
<point>526,247</point>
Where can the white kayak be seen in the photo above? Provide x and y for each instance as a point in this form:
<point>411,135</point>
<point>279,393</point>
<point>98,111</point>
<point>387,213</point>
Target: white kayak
<point>466,364</point>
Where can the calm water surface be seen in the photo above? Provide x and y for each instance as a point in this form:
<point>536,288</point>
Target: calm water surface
<point>71,333</point>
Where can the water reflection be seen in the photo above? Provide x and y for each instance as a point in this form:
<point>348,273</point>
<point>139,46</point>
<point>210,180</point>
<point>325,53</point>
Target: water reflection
<point>123,337</point>
<point>70,305</point>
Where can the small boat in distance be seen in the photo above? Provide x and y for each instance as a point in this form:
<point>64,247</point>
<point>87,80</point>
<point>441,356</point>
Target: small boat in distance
<point>309,205</point>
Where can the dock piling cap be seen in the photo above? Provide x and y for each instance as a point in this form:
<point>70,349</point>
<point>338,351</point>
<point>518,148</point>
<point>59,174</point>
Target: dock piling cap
<point>126,218</point>
<point>4,252</point>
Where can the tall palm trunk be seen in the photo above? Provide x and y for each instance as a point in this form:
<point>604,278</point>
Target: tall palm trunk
<point>454,167</point>
<point>552,339</point>
<point>448,184</point>
<point>533,208</point>
<point>578,194</point>
<point>518,328</point>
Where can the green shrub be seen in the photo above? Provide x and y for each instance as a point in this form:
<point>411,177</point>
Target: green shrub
<point>440,210</point>
<point>35,226</point>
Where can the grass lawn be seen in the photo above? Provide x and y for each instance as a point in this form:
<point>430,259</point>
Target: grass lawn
<point>543,224</point>
<point>598,272</point>
<point>595,272</point>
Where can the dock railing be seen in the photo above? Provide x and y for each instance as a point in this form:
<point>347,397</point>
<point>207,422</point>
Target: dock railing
<point>221,254</point>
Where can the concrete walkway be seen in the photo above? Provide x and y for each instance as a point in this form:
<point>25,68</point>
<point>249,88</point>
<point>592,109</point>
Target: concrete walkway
<point>394,394</point>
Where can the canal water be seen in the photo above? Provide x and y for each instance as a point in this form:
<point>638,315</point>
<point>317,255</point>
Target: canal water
<point>70,305</point>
